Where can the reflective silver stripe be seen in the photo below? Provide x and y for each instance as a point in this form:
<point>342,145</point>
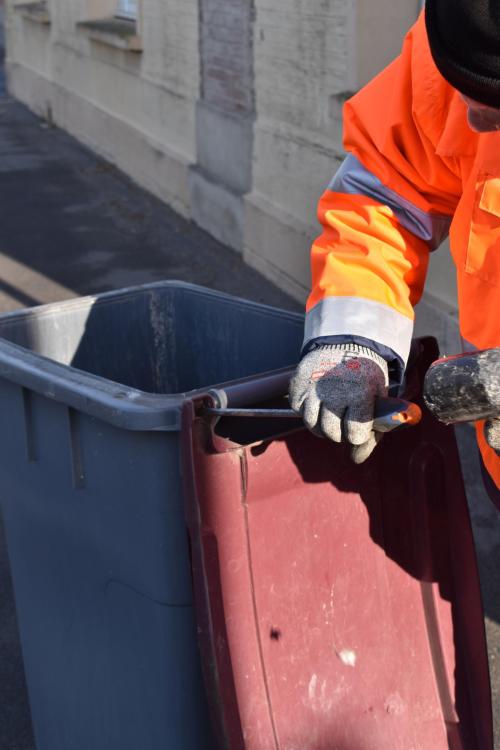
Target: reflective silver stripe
<point>355,316</point>
<point>353,178</point>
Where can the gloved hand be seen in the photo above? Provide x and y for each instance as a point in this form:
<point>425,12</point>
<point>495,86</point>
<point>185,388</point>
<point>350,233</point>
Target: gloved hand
<point>334,390</point>
<point>492,434</point>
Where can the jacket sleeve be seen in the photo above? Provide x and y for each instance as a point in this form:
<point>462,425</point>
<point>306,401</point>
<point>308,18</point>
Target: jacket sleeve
<point>390,203</point>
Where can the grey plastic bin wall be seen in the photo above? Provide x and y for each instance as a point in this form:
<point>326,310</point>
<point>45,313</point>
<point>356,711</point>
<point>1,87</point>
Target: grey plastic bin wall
<point>90,490</point>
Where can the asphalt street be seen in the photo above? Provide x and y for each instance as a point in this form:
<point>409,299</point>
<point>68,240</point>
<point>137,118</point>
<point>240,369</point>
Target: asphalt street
<point>71,224</point>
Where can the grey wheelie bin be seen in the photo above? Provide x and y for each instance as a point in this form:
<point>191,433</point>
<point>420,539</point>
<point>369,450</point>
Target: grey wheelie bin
<point>91,393</point>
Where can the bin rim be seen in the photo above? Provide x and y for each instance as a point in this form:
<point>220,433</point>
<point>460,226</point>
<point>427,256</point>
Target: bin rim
<point>113,402</point>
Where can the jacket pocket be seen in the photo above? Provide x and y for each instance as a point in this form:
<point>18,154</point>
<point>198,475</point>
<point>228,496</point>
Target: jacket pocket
<point>483,250</point>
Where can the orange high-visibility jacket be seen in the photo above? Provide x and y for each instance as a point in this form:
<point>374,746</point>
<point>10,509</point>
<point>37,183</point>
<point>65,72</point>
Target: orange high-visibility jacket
<point>415,172</point>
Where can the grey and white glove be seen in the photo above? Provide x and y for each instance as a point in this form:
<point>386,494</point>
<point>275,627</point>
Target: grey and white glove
<point>492,434</point>
<point>334,390</point>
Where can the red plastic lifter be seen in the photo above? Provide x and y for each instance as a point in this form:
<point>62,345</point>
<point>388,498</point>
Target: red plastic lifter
<point>338,606</point>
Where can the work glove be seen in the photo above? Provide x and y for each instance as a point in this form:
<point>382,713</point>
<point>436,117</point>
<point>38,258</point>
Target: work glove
<point>492,434</point>
<point>334,390</point>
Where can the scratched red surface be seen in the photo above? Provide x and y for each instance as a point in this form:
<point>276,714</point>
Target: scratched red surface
<point>338,606</point>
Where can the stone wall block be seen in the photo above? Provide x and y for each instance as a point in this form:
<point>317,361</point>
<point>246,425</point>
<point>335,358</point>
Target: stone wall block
<point>226,49</point>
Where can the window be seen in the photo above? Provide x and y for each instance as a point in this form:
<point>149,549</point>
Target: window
<point>35,11</point>
<point>127,9</point>
<point>116,24</point>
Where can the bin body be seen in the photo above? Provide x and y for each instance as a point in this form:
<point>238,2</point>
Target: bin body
<point>90,489</point>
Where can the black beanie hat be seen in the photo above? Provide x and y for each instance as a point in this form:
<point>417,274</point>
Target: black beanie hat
<point>464,37</point>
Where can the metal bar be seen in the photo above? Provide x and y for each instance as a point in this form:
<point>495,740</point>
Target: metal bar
<point>268,413</point>
<point>390,414</point>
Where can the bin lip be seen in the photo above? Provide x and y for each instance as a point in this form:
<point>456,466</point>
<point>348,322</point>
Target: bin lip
<point>115,294</point>
<point>110,401</point>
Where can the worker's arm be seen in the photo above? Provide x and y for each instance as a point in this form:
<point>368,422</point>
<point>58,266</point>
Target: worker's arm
<point>390,203</point>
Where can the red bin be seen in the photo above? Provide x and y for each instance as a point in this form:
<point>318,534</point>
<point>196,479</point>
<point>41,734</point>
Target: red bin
<point>338,606</point>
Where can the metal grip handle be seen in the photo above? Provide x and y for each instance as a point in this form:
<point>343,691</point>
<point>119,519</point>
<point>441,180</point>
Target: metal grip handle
<point>390,414</point>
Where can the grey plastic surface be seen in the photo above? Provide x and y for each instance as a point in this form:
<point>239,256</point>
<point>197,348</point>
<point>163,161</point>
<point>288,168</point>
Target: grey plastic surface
<point>91,493</point>
<point>130,357</point>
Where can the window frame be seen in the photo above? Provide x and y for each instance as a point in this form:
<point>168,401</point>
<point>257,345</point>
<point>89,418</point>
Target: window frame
<point>126,12</point>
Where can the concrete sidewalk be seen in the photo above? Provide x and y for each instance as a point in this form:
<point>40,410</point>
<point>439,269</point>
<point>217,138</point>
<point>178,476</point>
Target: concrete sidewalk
<point>70,225</point>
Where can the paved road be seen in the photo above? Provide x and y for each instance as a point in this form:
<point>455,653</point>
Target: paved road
<point>71,224</point>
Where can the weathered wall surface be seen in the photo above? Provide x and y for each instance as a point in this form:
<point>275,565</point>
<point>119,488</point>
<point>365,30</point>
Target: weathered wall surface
<point>229,111</point>
<point>225,115</point>
<point>136,108</point>
<point>310,55</point>
<point>304,56</point>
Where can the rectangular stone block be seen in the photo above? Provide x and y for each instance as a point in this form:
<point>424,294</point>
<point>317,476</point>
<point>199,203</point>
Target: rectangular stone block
<point>278,246</point>
<point>227,55</point>
<point>225,144</point>
<point>216,209</point>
